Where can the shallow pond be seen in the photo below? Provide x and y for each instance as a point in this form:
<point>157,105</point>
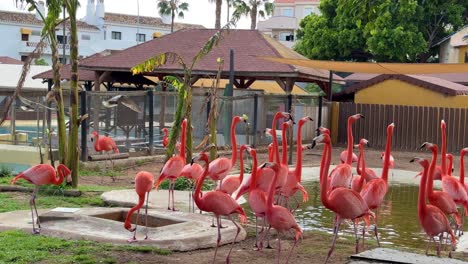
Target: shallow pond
<point>398,217</point>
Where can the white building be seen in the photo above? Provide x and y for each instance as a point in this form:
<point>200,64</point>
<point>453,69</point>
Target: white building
<point>97,31</point>
<point>286,18</point>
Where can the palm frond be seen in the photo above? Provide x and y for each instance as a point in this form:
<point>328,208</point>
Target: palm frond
<point>158,61</point>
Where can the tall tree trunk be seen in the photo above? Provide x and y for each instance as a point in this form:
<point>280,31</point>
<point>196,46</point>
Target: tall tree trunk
<point>172,20</point>
<point>219,4</point>
<point>62,132</point>
<point>177,122</point>
<point>73,130</point>
<point>253,16</point>
<point>188,115</point>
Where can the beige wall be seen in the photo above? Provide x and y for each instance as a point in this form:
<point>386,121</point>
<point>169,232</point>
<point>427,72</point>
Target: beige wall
<point>454,49</point>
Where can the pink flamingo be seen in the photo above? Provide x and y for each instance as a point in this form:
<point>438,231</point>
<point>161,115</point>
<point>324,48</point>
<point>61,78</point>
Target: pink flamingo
<point>342,175</point>
<point>450,164</point>
<point>218,203</point>
<point>279,217</point>
<point>358,180</point>
<point>165,140</point>
<point>105,144</point>
<point>344,154</point>
<point>220,167</point>
<point>432,219</point>
<point>462,181</point>
<point>392,160</point>
<point>369,174</point>
<point>283,172</point>
<point>375,190</point>
<point>293,182</point>
<point>440,199</point>
<point>192,172</point>
<point>345,203</point>
<point>143,183</point>
<point>38,175</point>
<point>173,167</point>
<point>232,182</point>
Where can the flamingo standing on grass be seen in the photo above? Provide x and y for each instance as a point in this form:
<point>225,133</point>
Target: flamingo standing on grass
<point>439,199</point>
<point>431,218</point>
<point>38,175</point>
<point>342,175</point>
<point>143,184</point>
<point>278,217</point>
<point>344,202</point>
<point>218,203</point>
<point>375,190</point>
<point>173,167</point>
<point>219,168</point>
<point>106,144</point>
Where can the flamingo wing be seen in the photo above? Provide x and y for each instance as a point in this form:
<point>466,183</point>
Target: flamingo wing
<point>219,168</point>
<point>454,188</point>
<point>348,203</point>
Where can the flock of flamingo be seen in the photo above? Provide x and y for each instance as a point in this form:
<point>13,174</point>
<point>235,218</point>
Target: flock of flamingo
<point>270,186</point>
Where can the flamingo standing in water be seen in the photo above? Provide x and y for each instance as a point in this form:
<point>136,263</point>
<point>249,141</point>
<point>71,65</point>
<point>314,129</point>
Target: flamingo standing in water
<point>173,167</point>
<point>431,218</point>
<point>165,140</point>
<point>358,180</point>
<point>218,203</point>
<point>232,182</point>
<point>375,190</point>
<point>342,175</point>
<point>293,182</point>
<point>220,167</point>
<point>344,202</point>
<point>105,144</point>
<point>440,199</point>
<point>283,172</point>
<point>278,217</point>
<point>143,183</point>
<point>38,175</point>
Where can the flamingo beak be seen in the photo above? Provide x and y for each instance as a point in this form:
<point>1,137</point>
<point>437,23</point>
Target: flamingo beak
<point>423,145</point>
<point>412,160</point>
<point>313,144</point>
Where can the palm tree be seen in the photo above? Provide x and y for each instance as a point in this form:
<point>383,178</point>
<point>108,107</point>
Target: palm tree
<point>171,7</point>
<point>253,8</point>
<point>219,3</point>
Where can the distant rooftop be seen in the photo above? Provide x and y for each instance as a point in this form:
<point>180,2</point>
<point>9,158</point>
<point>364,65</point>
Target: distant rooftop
<point>144,20</point>
<point>30,19</point>
<point>9,60</point>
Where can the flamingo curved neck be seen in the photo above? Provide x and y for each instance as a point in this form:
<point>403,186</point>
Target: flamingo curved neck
<point>363,169</point>
<point>198,194</point>
<point>233,141</point>
<point>422,207</point>
<point>141,200</point>
<point>275,140</point>
<point>349,155</point>
<point>253,182</point>
<point>388,147</point>
<point>61,176</point>
<point>462,168</point>
<point>241,161</point>
<point>324,166</point>
<point>443,151</point>
<point>430,180</point>
<point>298,169</point>
<point>271,192</point>
<point>284,144</point>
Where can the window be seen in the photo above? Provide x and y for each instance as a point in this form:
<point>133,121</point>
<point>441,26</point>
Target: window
<point>308,11</point>
<point>61,39</point>
<point>140,37</point>
<point>24,57</point>
<point>36,33</point>
<point>116,35</point>
<point>63,60</point>
<point>287,11</point>
<point>286,36</point>
<point>85,37</point>
<point>466,57</point>
<point>25,37</point>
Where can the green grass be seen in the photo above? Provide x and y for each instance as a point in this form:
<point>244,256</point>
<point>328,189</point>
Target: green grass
<point>20,247</point>
<point>116,172</point>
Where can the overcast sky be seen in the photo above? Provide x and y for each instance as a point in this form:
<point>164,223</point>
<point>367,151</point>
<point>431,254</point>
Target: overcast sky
<point>200,11</point>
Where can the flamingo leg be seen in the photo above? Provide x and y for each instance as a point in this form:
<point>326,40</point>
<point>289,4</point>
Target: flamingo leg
<point>172,191</point>
<point>441,236</point>
<point>146,216</point>
<point>32,203</point>
<point>112,166</point>
<point>375,229</point>
<point>136,225</point>
<point>363,236</point>
<point>279,250</point>
<point>291,251</point>
<point>218,221</point>
<point>256,232</point>
<point>297,205</point>
<point>356,237</point>
<point>427,244</point>
<point>337,227</point>
<point>169,197</point>
<point>233,242</point>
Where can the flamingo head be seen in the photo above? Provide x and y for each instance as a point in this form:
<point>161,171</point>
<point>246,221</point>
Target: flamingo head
<point>442,124</point>
<point>287,115</point>
<point>382,154</point>
<point>357,116</point>
<point>463,151</point>
<point>273,165</point>
<point>364,141</point>
<point>95,134</point>
<point>251,150</point>
<point>428,145</point>
<point>268,131</point>
<point>243,147</point>
<point>165,130</point>
<point>304,120</point>
<point>201,156</point>
<point>322,138</point>
<point>424,162</point>
<point>306,146</point>
<point>289,123</point>
<point>323,130</point>
<point>64,171</point>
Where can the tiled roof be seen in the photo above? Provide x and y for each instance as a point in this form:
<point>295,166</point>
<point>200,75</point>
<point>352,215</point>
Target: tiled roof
<point>144,20</point>
<point>460,78</point>
<point>8,60</point>
<point>432,83</point>
<point>247,44</point>
<point>65,71</point>
<point>30,19</point>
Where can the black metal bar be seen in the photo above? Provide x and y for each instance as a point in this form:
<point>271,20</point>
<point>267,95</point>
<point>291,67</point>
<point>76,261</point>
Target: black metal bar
<point>49,112</point>
<point>291,137</point>
<point>255,119</point>
<point>330,83</point>
<point>150,120</point>
<point>84,127</point>
<point>319,118</point>
<point>208,106</point>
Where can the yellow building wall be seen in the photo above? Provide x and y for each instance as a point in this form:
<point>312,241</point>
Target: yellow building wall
<point>396,92</point>
<point>462,53</point>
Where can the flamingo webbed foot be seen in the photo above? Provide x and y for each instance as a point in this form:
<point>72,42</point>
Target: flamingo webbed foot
<point>132,240</point>
<point>36,231</point>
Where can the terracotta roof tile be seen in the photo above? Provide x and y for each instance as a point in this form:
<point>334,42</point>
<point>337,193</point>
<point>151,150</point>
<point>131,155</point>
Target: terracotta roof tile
<point>65,71</point>
<point>247,44</point>
<point>30,19</point>
<point>432,83</point>
<point>461,78</point>
<point>8,60</point>
<point>144,20</point>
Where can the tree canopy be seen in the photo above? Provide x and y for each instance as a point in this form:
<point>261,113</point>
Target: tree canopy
<point>379,30</point>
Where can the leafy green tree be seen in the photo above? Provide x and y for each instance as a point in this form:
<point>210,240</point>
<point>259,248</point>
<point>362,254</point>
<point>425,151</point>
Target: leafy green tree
<point>172,7</point>
<point>253,8</point>
<point>379,30</point>
<point>40,61</point>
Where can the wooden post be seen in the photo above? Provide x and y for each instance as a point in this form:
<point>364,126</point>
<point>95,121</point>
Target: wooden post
<point>150,120</point>
<point>84,127</point>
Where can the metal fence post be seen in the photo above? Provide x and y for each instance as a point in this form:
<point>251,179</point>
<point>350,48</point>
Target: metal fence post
<point>291,136</point>
<point>150,120</point>
<point>255,120</point>
<point>84,127</point>
<point>319,118</point>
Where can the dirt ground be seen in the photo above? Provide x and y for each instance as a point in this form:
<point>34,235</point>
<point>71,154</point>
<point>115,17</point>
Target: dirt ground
<point>311,249</point>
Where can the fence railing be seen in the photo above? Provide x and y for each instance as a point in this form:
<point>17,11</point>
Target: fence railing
<point>413,125</point>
